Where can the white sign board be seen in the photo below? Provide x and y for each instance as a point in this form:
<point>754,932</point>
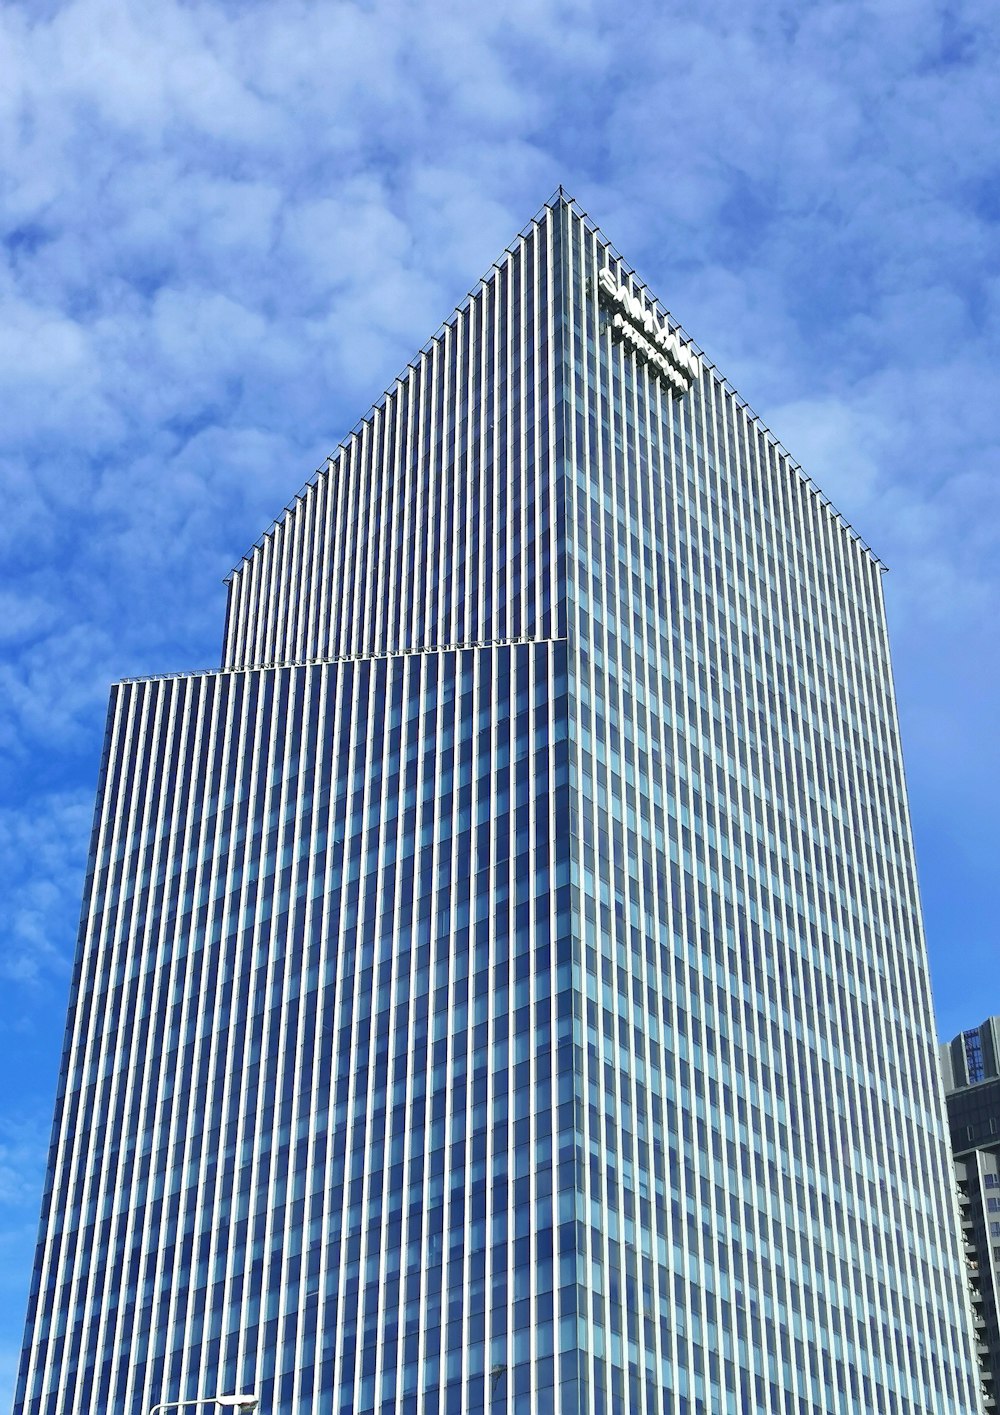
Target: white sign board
<point>673,362</point>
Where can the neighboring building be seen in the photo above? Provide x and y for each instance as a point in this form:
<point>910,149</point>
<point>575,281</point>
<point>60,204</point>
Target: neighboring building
<point>971,1065</point>
<point>501,985</point>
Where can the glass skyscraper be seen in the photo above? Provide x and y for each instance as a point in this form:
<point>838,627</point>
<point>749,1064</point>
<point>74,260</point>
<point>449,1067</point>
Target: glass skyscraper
<point>501,985</point>
<point>971,1066</point>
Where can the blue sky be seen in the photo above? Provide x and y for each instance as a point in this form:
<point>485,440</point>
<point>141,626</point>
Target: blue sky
<point>224,227</point>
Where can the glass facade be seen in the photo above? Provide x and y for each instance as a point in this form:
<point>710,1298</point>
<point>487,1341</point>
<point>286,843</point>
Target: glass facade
<point>769,1222</point>
<point>971,1066</point>
<point>501,987</point>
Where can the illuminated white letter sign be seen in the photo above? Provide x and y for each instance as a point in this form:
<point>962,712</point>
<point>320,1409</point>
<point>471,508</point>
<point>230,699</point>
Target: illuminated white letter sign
<point>674,363</point>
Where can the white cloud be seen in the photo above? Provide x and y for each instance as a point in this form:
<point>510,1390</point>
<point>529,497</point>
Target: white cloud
<point>23,1144</point>
<point>43,848</point>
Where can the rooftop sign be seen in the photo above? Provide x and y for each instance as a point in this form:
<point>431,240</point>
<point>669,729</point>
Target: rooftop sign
<point>672,361</point>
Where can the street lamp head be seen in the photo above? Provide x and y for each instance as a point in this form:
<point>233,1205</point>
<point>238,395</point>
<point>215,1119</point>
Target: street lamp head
<point>245,1403</point>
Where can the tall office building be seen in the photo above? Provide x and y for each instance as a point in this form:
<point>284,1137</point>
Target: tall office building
<point>971,1065</point>
<point>501,984</point>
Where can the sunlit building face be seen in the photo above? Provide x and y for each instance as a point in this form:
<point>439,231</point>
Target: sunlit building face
<point>501,985</point>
